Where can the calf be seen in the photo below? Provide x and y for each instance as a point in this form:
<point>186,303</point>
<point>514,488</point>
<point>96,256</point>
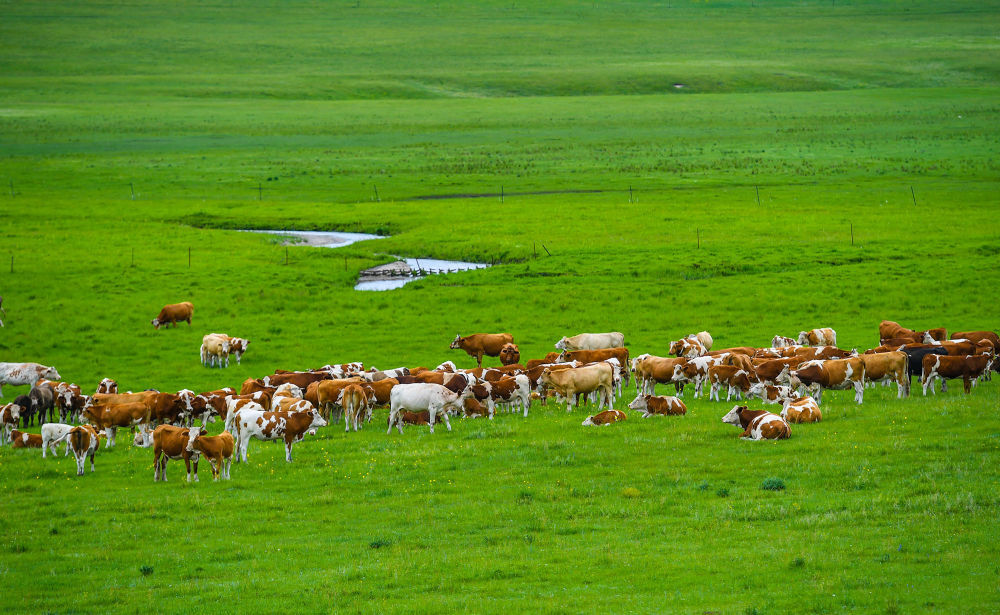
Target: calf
<point>758,424</point>
<point>170,442</point>
<point>23,439</point>
<point>217,449</point>
<point>54,434</point>
<point>473,409</point>
<point>801,410</point>
<point>605,418</point>
<point>288,426</point>
<point>968,368</point>
<point>651,405</point>
<point>83,442</point>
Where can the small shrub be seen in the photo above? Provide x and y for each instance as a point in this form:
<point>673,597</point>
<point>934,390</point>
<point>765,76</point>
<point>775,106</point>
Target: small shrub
<point>703,486</point>
<point>798,562</point>
<point>146,570</point>
<point>631,492</point>
<point>722,493</point>
<point>773,484</point>
<point>54,531</point>
<point>378,543</point>
<point>525,497</point>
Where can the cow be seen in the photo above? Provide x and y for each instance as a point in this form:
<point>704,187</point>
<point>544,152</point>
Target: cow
<point>888,329</point>
<point>592,341</point>
<point>288,426</point>
<point>235,405</point>
<point>696,370</point>
<point>354,401</point>
<point>888,367</point>
<point>473,409</point>
<point>741,361</point>
<point>423,417</point>
<point>218,450</point>
<point>69,401</point>
<point>704,338</point>
<point>801,410</point>
<point>215,349</point>
<point>237,346</point>
<point>758,424</point>
<point>379,392</point>
<point>109,412</point>
<point>735,379</point>
<point>512,390</point>
<point>915,359</point>
<point>809,353</point>
<point>834,374</point>
<point>174,313</point>
<point>43,399</point>
<point>328,396</point>
<point>509,354</point>
<point>939,334</point>
<point>434,398</point>
<point>167,408</point>
<point>651,405</point>
<point>551,357</point>
<point>10,416</point>
<point>770,394</point>
<point>689,348</point>
<point>973,336</point>
<point>966,367</point>
<point>83,441</point>
<point>107,385</point>
<point>594,356</point>
<point>17,374</point>
<point>780,341</point>
<point>479,344</point>
<point>170,442</point>
<point>605,418</point>
<point>299,379</point>
<point>581,380</point>
<point>818,337</point>
<point>23,439</point>
<point>54,434</point>
<point>27,411</point>
<point>287,390</point>
<point>652,370</point>
<point>252,385</point>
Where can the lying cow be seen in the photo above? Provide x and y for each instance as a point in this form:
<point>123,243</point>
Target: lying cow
<point>218,450</point>
<point>801,410</point>
<point>174,313</point>
<point>23,439</point>
<point>605,418</point>
<point>758,424</point>
<point>651,405</point>
<point>434,398</point>
<point>18,374</point>
<point>780,341</point>
<point>592,341</point>
<point>478,344</point>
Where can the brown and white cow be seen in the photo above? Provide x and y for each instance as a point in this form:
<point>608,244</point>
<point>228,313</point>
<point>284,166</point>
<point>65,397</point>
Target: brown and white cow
<point>818,337</point>
<point>651,370</point>
<point>801,410</point>
<point>888,367</point>
<point>605,418</point>
<point>18,374</point>
<point>83,441</point>
<point>511,391</point>
<point>354,401</point>
<point>977,336</point>
<point>696,370</point>
<point>735,379</point>
<point>473,409</point>
<point>780,341</point>
<point>770,394</point>
<point>594,356</point>
<point>592,341</point>
<point>479,344</point>
<point>689,348</point>
<point>651,405</point>
<point>509,354</point>
<point>328,396</point>
<point>107,386</point>
<point>171,442</point>
<point>10,416</point>
<point>288,426</point>
<point>551,357</point>
<point>809,353</point>
<point>23,439</point>
<point>218,450</point>
<point>837,374</point>
<point>110,417</point>
<point>758,424</point>
<point>174,313</point>
<point>966,367</point>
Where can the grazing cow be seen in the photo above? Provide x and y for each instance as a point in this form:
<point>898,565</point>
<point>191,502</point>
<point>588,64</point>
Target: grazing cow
<point>651,405</point>
<point>939,334</point>
<point>696,370</point>
<point>83,442</point>
<point>170,442</point>
<point>354,401</point>
<point>758,424</point>
<point>10,416</point>
<point>18,374</point>
<point>289,426</point>
<point>434,398</point>
<point>735,379</point>
<point>512,390</point>
<point>551,357</point>
<point>888,367</point>
<point>818,337</point>
<point>801,410</point>
<point>780,341</point>
<point>174,313</point>
<point>888,329</point>
<point>237,346</point>
<point>835,374</point>
<point>509,354</point>
<point>581,380</point>
<point>770,394</point>
<point>27,412</point>
<point>107,385</point>
<point>54,434</point>
<point>215,349</point>
<point>966,367</point>
<point>478,344</point>
<point>23,439</point>
<point>689,348</point>
<point>973,336</point>
<point>605,418</point>
<point>218,450</point>
<point>473,409</point>
<point>592,341</point>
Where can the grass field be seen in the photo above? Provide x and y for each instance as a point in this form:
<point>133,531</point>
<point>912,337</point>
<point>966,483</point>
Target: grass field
<point>133,135</point>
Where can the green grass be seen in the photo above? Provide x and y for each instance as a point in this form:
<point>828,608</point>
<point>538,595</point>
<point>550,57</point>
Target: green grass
<point>874,116</point>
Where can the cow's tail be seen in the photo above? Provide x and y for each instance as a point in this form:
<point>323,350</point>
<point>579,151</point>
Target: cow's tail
<point>77,438</point>
<point>906,374</point>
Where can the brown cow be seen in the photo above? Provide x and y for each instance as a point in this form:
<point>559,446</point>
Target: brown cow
<point>977,336</point>
<point>217,449</point>
<point>939,334</point>
<point>594,356</point>
<point>888,367</point>
<point>328,396</point>
<point>478,344</point>
<point>888,329</point>
<point>651,405</point>
<point>605,418</point>
<point>510,354</point>
<point>652,370</point>
<point>299,379</point>
<point>23,439</point>
<point>809,353</point>
<point>966,367</point>
<point>835,374</point>
<point>758,424</point>
<point>801,410</point>
<point>174,313</point>
<point>570,382</point>
<point>473,409</point>
<point>112,416</point>
<point>775,371</point>
<point>421,417</point>
<point>355,403</point>
<point>551,357</point>
<point>379,392</point>
<point>252,385</point>
<point>170,442</point>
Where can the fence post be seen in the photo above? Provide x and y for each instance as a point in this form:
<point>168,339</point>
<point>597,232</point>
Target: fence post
<point>260,191</point>
<point>501,194</point>
<point>132,188</point>
<point>852,233</point>
<point>757,188</point>
<point>912,194</point>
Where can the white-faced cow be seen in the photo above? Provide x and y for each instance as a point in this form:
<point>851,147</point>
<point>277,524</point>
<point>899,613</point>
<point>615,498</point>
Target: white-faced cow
<point>174,313</point>
<point>758,424</point>
<point>18,374</point>
<point>818,337</point>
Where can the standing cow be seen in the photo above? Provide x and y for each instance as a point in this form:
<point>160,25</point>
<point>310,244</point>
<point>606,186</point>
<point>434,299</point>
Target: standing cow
<point>592,341</point>
<point>478,344</point>
<point>174,313</point>
<point>25,373</point>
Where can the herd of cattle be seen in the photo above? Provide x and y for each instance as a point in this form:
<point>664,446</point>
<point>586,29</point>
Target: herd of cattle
<point>287,405</point>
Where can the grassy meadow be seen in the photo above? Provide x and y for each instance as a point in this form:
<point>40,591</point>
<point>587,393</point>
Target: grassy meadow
<point>667,167</point>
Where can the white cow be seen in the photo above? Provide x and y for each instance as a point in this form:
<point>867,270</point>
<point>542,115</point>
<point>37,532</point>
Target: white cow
<point>25,373</point>
<point>592,341</point>
<point>54,434</point>
<point>419,396</point>
<point>288,426</point>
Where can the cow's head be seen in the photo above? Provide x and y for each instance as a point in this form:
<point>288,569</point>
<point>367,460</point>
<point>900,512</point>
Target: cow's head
<point>156,323</point>
<point>676,348</point>
<point>457,342</point>
<point>317,422</point>
<point>561,344</point>
<point>563,357</point>
<point>510,354</point>
<point>192,435</point>
<point>49,373</point>
<point>803,338</point>
<point>733,416</point>
<point>641,402</point>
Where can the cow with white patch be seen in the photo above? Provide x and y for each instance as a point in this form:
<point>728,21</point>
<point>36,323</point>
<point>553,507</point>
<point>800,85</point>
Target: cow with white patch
<point>512,391</point>
<point>174,313</point>
<point>770,394</point>
<point>966,367</point>
<point>605,418</point>
<point>170,442</point>
<point>436,399</point>
<point>218,450</point>
<point>54,434</point>
<point>107,385</point>
<point>215,349</point>
<point>23,439</point>
<point>801,410</point>
<point>696,370</point>
<point>652,405</point>
<point>758,424</point>
<point>592,341</point>
<point>83,441</point>
<point>837,374</point>
<point>688,348</point>
<point>17,374</point>
<point>290,427</point>
<point>780,341</point>
<point>736,380</point>
<point>10,416</point>
<point>818,337</point>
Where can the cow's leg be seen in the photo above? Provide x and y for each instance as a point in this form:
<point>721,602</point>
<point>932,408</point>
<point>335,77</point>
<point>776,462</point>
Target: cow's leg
<point>967,382</point>
<point>392,415</point>
<point>187,464</point>
<point>196,469</point>
<point>288,450</point>
<point>347,420</point>
<point>431,416</point>
<point>944,385</point>
<point>859,392</point>
<point>447,423</point>
<point>93,452</point>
